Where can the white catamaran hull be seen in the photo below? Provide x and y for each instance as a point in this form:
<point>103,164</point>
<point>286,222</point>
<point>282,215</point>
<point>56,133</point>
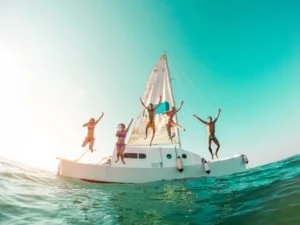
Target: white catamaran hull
<point>151,164</point>
<point>148,164</point>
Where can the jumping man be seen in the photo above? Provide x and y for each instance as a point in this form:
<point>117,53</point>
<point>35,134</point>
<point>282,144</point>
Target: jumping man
<point>151,118</point>
<point>211,133</point>
<point>90,134</point>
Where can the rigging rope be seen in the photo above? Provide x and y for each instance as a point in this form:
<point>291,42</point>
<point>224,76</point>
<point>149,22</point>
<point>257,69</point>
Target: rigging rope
<point>184,78</point>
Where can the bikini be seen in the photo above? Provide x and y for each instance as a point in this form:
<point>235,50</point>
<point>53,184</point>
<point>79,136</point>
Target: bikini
<point>121,135</point>
<point>119,145</point>
<point>90,137</point>
<point>170,122</point>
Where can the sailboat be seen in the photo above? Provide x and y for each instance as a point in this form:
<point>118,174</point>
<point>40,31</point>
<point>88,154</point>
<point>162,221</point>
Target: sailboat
<point>164,159</point>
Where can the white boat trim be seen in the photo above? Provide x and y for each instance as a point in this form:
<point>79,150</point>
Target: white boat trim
<point>165,160</point>
<point>155,167</point>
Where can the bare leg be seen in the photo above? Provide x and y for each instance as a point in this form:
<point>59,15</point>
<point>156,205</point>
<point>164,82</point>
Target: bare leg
<point>91,145</point>
<point>84,143</point>
<point>117,157</point>
<point>174,133</point>
<point>169,132</point>
<point>122,154</point>
<point>118,154</point>
<point>215,140</point>
<point>122,158</point>
<point>153,133</point>
<point>146,132</point>
<point>209,148</point>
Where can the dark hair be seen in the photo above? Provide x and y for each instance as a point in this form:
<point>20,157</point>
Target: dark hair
<point>122,125</point>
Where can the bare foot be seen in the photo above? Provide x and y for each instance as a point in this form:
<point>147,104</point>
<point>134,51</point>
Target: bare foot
<point>116,161</point>
<point>123,162</point>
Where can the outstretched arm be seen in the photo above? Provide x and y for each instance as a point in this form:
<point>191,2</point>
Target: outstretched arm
<point>128,127</point>
<point>84,125</point>
<point>200,119</point>
<point>215,120</point>
<point>100,118</point>
<point>143,103</point>
<point>158,102</point>
<point>180,106</point>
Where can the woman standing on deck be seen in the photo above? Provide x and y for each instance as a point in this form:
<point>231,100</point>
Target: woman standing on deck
<point>121,135</point>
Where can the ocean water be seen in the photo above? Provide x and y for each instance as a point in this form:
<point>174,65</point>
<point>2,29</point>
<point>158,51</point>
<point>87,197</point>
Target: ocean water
<point>269,194</point>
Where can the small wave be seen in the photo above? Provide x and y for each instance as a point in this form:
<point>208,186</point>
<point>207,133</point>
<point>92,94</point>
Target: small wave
<point>267,194</point>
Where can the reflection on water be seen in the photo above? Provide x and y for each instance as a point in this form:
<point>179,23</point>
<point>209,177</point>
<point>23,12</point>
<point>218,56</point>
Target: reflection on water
<point>262,195</point>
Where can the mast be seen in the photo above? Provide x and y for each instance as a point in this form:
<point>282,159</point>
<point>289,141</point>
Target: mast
<point>158,84</point>
<point>170,81</point>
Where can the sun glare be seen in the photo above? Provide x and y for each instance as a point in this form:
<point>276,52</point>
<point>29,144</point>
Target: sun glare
<point>22,140</point>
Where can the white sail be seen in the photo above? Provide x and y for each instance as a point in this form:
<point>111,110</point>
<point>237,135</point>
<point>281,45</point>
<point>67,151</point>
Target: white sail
<point>155,163</point>
<point>158,84</point>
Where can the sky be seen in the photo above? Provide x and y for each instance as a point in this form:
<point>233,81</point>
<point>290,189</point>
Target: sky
<point>62,62</point>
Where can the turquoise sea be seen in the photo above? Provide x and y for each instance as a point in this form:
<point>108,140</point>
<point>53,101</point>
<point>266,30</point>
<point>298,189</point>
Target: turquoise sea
<point>269,194</point>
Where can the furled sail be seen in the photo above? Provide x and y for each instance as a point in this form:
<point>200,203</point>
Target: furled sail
<point>158,84</point>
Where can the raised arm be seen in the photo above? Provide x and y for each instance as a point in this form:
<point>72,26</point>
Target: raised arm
<point>128,127</point>
<point>215,120</point>
<point>200,119</point>
<point>180,106</point>
<point>100,118</point>
<point>158,102</point>
<point>143,103</point>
